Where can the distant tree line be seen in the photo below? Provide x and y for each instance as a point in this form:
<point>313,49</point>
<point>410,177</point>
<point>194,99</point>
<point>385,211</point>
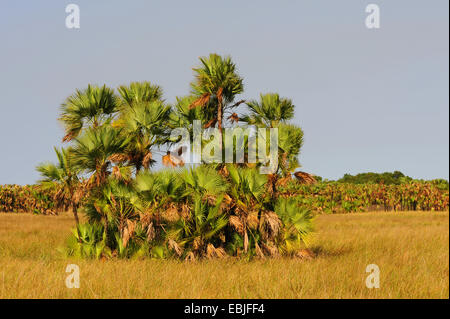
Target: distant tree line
<point>386,178</point>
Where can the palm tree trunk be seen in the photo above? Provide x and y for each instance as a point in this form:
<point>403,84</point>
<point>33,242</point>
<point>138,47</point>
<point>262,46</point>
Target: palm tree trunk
<point>219,122</point>
<point>77,220</point>
<point>138,166</point>
<point>75,214</point>
<point>105,225</point>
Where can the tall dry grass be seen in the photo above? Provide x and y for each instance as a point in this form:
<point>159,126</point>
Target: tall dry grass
<point>411,249</point>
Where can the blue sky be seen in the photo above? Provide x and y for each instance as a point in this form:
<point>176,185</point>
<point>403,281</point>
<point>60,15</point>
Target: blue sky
<point>367,100</point>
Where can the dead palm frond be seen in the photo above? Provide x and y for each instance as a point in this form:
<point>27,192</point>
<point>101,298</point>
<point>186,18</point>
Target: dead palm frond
<point>173,245</point>
<point>270,225</point>
<point>236,223</point>
<point>305,178</point>
<point>172,160</point>
<point>213,252</point>
<point>233,118</point>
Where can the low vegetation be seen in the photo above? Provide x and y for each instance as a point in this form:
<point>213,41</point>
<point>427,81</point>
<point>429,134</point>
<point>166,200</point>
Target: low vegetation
<point>28,199</point>
<point>337,197</point>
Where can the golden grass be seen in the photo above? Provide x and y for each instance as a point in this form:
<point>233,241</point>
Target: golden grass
<point>411,249</point>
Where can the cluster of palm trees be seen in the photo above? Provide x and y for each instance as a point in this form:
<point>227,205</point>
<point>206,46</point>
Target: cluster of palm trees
<point>207,210</point>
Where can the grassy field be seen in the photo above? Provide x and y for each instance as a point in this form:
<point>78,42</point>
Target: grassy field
<point>410,248</point>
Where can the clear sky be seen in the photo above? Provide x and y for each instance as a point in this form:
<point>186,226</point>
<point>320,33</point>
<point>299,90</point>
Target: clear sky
<point>367,99</point>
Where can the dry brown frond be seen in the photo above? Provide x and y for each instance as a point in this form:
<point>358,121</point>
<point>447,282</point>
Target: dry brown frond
<point>227,199</point>
<point>236,223</point>
<point>252,220</point>
<point>131,225</point>
<point>175,247</point>
<point>210,251</point>
<point>224,171</point>
<point>202,100</point>
<point>220,252</point>
<point>283,181</point>
<point>171,160</point>
<point>98,209</point>
<point>213,252</point>
<point>238,103</point>
<point>68,137</point>
<point>234,118</point>
<point>171,214</point>
<point>211,200</point>
<point>78,195</point>
<point>118,158</point>
<point>151,232</point>
<point>125,237</point>
<point>305,178</point>
<point>245,242</point>
<point>145,219</point>
<point>128,232</point>
<point>190,257</point>
<point>270,250</point>
<point>258,251</point>
<point>197,243</point>
<point>270,225</point>
<point>185,211</point>
<point>147,160</point>
<point>90,182</point>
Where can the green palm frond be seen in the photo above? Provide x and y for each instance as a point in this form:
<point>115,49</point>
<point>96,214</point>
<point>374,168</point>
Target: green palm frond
<point>297,220</point>
<point>145,125</point>
<point>217,72</point>
<point>161,187</point>
<point>290,141</point>
<point>269,111</point>
<point>204,180</point>
<point>92,106</point>
<point>247,184</point>
<point>93,149</point>
<point>140,92</point>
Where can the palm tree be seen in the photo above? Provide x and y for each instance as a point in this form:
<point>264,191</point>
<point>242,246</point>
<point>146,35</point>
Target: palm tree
<point>93,151</point>
<point>247,190</point>
<point>199,235</point>
<point>65,174</point>
<point>143,115</point>
<point>270,111</point>
<point>273,111</point>
<point>290,141</point>
<point>115,204</point>
<point>216,85</point>
<point>144,124</point>
<point>183,115</point>
<point>92,106</point>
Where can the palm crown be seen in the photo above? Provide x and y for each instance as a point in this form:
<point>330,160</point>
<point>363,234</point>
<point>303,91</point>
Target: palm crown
<point>270,111</point>
<point>93,150</point>
<point>65,175</point>
<point>216,84</point>
<point>91,106</point>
